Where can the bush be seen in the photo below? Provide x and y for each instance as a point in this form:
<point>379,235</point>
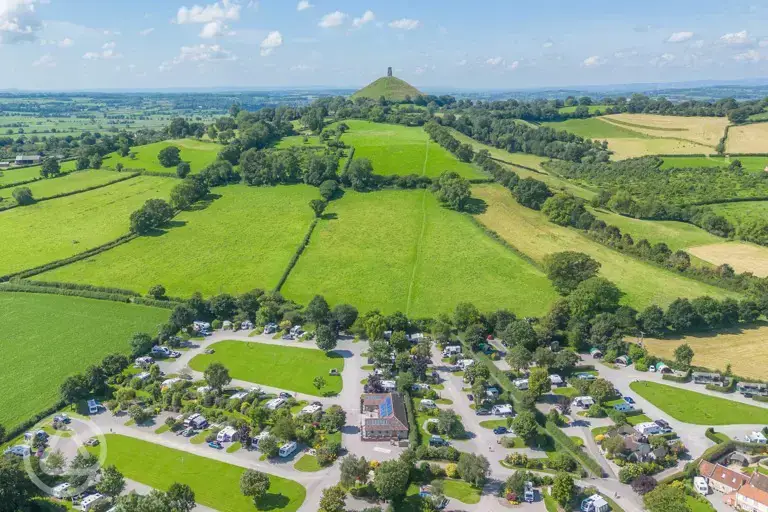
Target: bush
<point>23,196</point>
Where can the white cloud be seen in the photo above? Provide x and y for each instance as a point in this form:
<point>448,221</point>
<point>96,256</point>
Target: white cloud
<point>514,65</point>
<point>46,61</point>
<point>593,62</point>
<point>462,62</point>
<point>764,43</point>
<point>548,44</point>
<point>697,44</point>
<point>494,61</point>
<point>405,24</point>
<point>213,29</point>
<point>367,17</point>
<point>749,56</point>
<point>200,53</point>
<point>680,37</point>
<point>736,38</point>
<point>303,5</point>
<point>108,46</point>
<point>108,52</point>
<point>146,31</point>
<point>663,59</point>
<point>273,40</point>
<point>19,21</point>
<point>333,19</point>
<point>626,54</point>
<point>302,67</point>
<point>219,11</point>
<point>66,43</point>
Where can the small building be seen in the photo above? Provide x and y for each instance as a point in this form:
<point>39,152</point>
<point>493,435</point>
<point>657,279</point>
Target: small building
<point>93,406</point>
<point>5,165</point>
<point>228,435</point>
<point>595,503</point>
<point>465,363</point>
<point>420,386</point>
<point>663,368</point>
<point>274,404</point>
<point>521,384</point>
<point>143,376</point>
<point>709,378</point>
<point>415,337</point>
<point>492,393</point>
<point>648,428</point>
<point>143,362</point>
<point>91,501</point>
<point>502,410</point>
<point>31,436</point>
<point>239,395</point>
<point>204,389</point>
<point>200,326</point>
<point>720,478</point>
<point>196,420</point>
<point>585,402</point>
<point>623,361</point>
<point>596,353</point>
<point>28,159</point>
<point>270,328</point>
<point>752,388</point>
<point>170,382</point>
<point>385,417</point>
<point>756,437</point>
<point>427,404</point>
<point>556,380</point>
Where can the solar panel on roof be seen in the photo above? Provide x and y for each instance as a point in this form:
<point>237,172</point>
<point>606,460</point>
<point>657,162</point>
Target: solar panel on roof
<point>385,409</point>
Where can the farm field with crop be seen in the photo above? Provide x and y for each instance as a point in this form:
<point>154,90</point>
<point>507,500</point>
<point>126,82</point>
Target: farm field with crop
<point>702,130</point>
<point>199,154</point>
<point>750,163</point>
<point>52,230</point>
<point>216,484</point>
<point>61,336</point>
<point>11,175</point>
<point>743,257</point>
<point>242,240</point>
<point>288,368</point>
<point>532,234</point>
<point>70,182</point>
<point>402,150</point>
<point>402,251</point>
<point>749,138</point>
<point>743,347</point>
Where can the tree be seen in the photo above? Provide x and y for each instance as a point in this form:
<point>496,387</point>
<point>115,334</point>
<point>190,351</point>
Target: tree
<point>601,390</point>
<point>2,432</point>
<point>563,489</point>
<point>567,269</point>
<point>95,161</point>
<point>449,423</point>
<point>334,418</point>
<point>473,468</point>
<point>353,470</point>
<point>182,316</point>
<point>268,444</point>
<point>50,168</point>
<point>651,321</point>
<point>254,484</point>
<point>55,462</point>
<point>141,343</point>
<point>595,295</point>
<point>531,193</point>
<point>112,482</point>
<point>217,375</point>
<point>538,382</point>
<point>520,332</point>
<point>374,324</point>
<point>169,156</point>
<point>157,291</point>
<point>684,355</point>
<point>23,196</point>
<point>391,480</point>
<point>666,498</point>
<point>333,499</point>
<point>328,189</point>
<point>318,382</point>
<point>16,489</point>
<point>182,497</point>
<point>188,192</point>
<point>359,175</point>
<point>525,427</point>
<point>82,469</point>
<point>154,213</point>
<point>465,315</point>
<point>518,357</point>
<point>344,315</point>
<point>183,169</point>
<point>318,206</point>
<point>317,310</point>
<point>326,338</point>
<point>73,389</point>
<point>680,315</point>
<point>452,190</point>
<point>643,484</point>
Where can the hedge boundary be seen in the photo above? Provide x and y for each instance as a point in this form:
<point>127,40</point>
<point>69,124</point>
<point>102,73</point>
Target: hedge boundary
<point>297,254</point>
<point>87,287</point>
<point>25,287</point>
<point>414,435</point>
<point>349,160</point>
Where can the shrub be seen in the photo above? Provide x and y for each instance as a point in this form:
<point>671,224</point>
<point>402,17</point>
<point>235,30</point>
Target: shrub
<point>23,196</point>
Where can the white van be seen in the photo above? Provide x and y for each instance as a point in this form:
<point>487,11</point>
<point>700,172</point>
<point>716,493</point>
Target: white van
<point>287,449</point>
<point>700,484</point>
<point>427,404</point>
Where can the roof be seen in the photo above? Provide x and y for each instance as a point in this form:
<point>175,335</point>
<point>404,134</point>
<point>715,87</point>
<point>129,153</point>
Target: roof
<point>391,410</point>
<point>752,492</point>
<point>759,480</point>
<point>728,476</point>
<point>228,430</point>
<point>706,468</point>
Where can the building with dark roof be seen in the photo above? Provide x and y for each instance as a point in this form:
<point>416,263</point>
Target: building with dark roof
<point>384,417</point>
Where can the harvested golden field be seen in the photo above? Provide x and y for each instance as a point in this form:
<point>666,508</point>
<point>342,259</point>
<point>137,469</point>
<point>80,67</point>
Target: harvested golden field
<point>751,138</point>
<point>743,257</point>
<point>702,130</point>
<point>744,348</point>
<point>624,148</point>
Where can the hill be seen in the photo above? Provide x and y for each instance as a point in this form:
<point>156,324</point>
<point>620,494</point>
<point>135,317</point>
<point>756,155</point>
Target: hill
<point>390,87</point>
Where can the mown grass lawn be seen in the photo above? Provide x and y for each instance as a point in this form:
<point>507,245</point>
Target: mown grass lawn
<point>40,233</point>
<point>216,484</point>
<point>698,505</point>
<point>199,154</point>
<point>242,240</point>
<point>402,251</point>
<point>697,408</point>
<point>492,424</point>
<point>49,337</point>
<point>287,368</point>
<point>307,464</point>
<point>456,489</point>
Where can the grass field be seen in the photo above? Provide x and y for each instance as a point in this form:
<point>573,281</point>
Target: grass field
<point>531,233</point>
<point>741,211</point>
<point>287,368</point>
<point>243,240</point>
<point>68,183</point>
<point>216,484</point>
<point>750,163</point>
<point>456,489</point>
<point>297,141</point>
<point>390,87</point>
<point>697,408</point>
<point>60,336</point>
<point>199,154</point>
<point>595,128</point>
<point>743,257</point>
<point>744,348</point>
<point>702,130</point>
<point>593,109</point>
<point>401,150</point>
<point>402,251</point>
<point>51,230</point>
<point>750,138</point>
<point>9,176</point>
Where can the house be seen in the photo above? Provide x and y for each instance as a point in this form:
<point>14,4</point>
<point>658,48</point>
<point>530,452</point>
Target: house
<point>521,384</point>
<point>28,159</point>
<point>228,435</point>
<point>93,406</point>
<point>91,501</point>
<point>311,409</point>
<point>287,449</point>
<point>709,378</point>
<point>624,407</point>
<point>388,385</point>
<point>556,380</point>
<point>61,490</point>
<point>752,499</point>
<point>623,361</point>
<point>759,480</point>
<point>384,417</point>
<point>596,353</point>
<point>451,350</point>
<point>756,437</point>
<point>5,165</point>
<point>637,447</point>
<point>752,388</point>
<point>595,503</point>
<point>246,326</point>
<point>720,478</point>
<point>585,402</point>
<point>274,404</point>
<point>20,450</point>
<point>648,428</point>
<point>663,368</point>
<point>502,410</point>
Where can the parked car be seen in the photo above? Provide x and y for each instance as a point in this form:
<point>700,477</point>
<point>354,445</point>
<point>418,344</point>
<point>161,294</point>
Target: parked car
<point>471,397</point>
<point>188,432</point>
<point>284,395</point>
<point>482,412</point>
<point>92,442</point>
<point>652,368</point>
<point>437,441</point>
<point>209,351</point>
<point>662,423</point>
<point>500,430</point>
<point>215,444</point>
<point>629,400</point>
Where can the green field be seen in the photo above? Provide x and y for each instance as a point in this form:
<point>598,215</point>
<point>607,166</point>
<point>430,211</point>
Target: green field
<point>595,128</point>
<point>243,240</point>
<point>456,489</point>
<point>51,230</point>
<point>593,109</point>
<point>216,484</point>
<point>390,87</point>
<point>697,408</point>
<point>401,150</point>
<point>750,163</point>
<point>739,212</point>
<point>294,141</point>
<point>10,176</point>
<point>68,183</point>
<point>287,368</point>
<point>401,251</point>
<point>530,232</point>
<point>199,154</point>
<point>49,337</point>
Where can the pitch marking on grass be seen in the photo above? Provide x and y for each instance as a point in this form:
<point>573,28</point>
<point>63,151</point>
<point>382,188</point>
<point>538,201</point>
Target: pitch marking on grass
<point>421,235</point>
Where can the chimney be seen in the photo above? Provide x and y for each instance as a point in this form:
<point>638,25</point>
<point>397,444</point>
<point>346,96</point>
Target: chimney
<point>389,71</point>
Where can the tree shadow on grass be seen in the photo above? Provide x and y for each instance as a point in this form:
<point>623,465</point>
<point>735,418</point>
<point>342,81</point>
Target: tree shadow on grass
<point>476,206</point>
<point>340,354</point>
<point>740,329</point>
<point>329,216</point>
<point>204,203</point>
<point>273,502</point>
<point>166,227</point>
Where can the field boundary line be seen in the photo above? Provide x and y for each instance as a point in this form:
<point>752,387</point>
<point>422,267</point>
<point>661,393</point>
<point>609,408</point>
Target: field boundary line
<point>421,236</point>
<point>297,255</point>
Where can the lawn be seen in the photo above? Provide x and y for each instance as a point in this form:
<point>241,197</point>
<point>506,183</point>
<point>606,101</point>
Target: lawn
<point>298,141</point>
<point>40,233</point>
<point>492,424</point>
<point>636,419</point>
<point>741,211</point>
<point>242,240</point>
<point>70,182</point>
<point>531,233</point>
<point>401,150</point>
<point>593,109</point>
<point>216,484</point>
<point>750,163</point>
<point>566,391</point>
<point>307,464</point>
<point>198,154</point>
<point>401,251</point>
<point>57,336</point>
<point>697,408</point>
<point>744,348</point>
<point>10,176</point>
<point>595,128</point>
<point>698,504</point>
<point>456,489</point>
<point>287,368</point>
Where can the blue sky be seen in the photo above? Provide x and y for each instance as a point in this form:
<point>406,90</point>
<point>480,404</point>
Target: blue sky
<point>98,44</point>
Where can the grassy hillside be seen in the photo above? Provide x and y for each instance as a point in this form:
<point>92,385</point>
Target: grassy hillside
<point>10,176</point>
<point>70,182</point>
<point>61,336</point>
<point>199,154</point>
<point>750,163</point>
<point>392,88</point>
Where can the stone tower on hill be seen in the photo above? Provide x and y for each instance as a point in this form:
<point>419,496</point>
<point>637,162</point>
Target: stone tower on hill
<point>389,71</point>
